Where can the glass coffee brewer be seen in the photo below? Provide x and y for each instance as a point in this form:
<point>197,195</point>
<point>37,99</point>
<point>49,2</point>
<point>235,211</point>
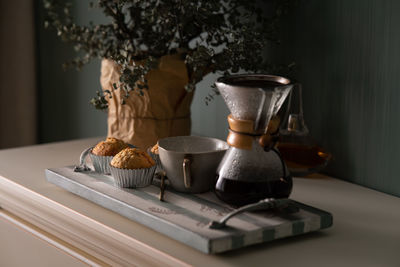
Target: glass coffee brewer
<point>252,168</point>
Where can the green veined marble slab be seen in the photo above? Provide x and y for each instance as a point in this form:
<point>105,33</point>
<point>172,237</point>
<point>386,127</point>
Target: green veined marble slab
<point>185,217</point>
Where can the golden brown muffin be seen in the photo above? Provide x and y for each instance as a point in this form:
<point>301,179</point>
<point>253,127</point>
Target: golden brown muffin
<point>154,149</point>
<point>110,147</point>
<point>132,158</point>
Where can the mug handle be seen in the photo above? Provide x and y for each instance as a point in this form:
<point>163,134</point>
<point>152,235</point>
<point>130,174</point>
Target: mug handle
<point>187,179</point>
<point>82,166</point>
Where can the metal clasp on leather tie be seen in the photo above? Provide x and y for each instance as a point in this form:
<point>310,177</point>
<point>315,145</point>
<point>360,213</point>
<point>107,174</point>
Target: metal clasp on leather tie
<point>268,141</point>
<point>82,159</point>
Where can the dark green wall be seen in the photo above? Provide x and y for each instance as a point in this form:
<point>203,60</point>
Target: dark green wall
<point>64,110</point>
<point>348,56</point>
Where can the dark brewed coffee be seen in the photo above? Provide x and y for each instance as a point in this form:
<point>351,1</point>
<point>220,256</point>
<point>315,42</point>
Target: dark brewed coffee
<point>239,193</point>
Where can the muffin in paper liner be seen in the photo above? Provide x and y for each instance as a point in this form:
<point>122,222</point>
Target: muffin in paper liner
<point>101,164</point>
<point>133,178</point>
<point>156,158</point>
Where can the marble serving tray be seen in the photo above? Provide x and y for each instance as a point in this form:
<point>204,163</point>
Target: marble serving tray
<point>185,217</point>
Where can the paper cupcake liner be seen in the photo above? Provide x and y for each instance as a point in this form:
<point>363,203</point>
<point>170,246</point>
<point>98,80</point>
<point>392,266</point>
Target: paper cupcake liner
<point>133,178</point>
<point>101,164</point>
<point>156,158</point>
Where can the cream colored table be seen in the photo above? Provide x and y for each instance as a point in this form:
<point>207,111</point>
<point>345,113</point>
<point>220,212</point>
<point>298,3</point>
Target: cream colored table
<point>38,218</point>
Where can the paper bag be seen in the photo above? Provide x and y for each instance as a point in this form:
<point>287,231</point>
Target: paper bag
<point>163,110</point>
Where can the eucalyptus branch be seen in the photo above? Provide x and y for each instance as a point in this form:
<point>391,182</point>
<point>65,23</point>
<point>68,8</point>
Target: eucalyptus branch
<point>216,36</point>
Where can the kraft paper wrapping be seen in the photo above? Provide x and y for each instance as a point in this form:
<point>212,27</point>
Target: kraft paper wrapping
<point>163,110</point>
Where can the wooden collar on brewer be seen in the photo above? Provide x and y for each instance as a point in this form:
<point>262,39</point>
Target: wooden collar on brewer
<point>242,133</point>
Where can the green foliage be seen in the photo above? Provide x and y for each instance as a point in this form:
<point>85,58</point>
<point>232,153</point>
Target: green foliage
<point>212,36</point>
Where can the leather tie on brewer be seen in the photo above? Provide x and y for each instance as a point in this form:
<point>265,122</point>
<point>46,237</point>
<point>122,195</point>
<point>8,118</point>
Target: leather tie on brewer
<point>242,133</point>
